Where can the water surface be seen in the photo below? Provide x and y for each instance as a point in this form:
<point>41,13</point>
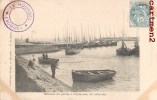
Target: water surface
<point>127,68</point>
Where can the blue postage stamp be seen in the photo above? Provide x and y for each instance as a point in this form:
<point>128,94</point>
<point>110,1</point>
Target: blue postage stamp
<point>139,14</point>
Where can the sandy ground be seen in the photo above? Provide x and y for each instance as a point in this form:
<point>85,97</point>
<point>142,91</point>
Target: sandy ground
<point>35,79</point>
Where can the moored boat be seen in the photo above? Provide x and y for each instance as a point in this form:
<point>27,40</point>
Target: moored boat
<point>136,50</point>
<point>72,51</point>
<point>92,75</point>
<point>123,51</point>
<point>47,60</point>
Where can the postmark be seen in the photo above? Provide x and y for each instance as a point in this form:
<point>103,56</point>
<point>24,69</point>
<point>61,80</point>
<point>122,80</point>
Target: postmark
<point>18,16</point>
<point>139,14</point>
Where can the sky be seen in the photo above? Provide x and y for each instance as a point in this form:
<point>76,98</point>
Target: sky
<point>55,17</point>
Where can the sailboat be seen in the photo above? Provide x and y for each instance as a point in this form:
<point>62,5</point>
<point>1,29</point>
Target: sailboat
<point>72,51</point>
<point>123,51</point>
<point>69,50</point>
<point>114,43</point>
<point>136,50</point>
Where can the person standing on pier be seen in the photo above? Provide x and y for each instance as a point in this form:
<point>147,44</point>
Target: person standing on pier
<point>53,69</point>
<point>30,63</point>
<point>34,61</point>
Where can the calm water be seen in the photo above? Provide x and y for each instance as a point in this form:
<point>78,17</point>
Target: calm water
<point>126,79</point>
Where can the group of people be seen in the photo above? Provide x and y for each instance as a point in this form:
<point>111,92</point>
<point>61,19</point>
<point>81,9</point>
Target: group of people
<point>31,63</point>
<point>45,56</point>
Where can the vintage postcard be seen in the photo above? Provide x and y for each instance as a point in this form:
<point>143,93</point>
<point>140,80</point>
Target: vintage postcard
<point>78,49</point>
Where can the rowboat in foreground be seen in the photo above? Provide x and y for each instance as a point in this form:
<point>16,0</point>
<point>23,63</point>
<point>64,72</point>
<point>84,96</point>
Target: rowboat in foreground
<point>47,60</point>
<point>92,75</point>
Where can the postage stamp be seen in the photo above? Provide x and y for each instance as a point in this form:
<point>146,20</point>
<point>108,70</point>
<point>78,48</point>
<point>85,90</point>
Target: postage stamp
<point>139,14</point>
<point>18,16</point>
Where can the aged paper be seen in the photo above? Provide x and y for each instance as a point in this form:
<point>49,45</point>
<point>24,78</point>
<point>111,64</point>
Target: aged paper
<point>78,49</point>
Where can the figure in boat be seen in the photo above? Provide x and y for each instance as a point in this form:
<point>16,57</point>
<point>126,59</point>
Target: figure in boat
<point>135,50</point>
<point>45,56</point>
<point>124,51</point>
<point>46,60</point>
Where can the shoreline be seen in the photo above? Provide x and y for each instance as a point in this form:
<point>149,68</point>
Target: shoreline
<point>36,49</point>
<point>36,79</point>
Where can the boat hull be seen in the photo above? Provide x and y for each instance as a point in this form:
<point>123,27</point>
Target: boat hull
<point>92,75</point>
<point>72,51</point>
<point>47,60</point>
<point>123,52</point>
<point>127,52</point>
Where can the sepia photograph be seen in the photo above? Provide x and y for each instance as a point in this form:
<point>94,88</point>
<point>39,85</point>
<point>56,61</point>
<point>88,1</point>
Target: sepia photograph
<point>79,48</point>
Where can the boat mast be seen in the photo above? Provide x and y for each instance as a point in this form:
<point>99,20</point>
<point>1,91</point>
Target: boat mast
<point>81,32</point>
<point>137,36</point>
<point>99,32</point>
<point>91,33</point>
<point>94,32</point>
<point>123,44</point>
<point>58,37</point>
<point>114,34</point>
<point>110,32</point>
<point>67,34</point>
<point>88,34</point>
<point>105,32</point>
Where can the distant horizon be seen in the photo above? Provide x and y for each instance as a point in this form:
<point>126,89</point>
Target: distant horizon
<point>61,40</point>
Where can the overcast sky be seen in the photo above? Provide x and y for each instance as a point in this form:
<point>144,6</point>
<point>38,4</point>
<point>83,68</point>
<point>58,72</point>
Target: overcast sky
<point>55,16</point>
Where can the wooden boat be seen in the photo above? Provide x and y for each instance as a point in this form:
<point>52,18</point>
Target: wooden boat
<point>92,75</point>
<point>136,50</point>
<point>123,51</point>
<point>114,43</point>
<point>72,51</point>
<point>47,60</point>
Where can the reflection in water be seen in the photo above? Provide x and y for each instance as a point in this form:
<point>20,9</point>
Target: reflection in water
<point>86,86</point>
<point>127,68</point>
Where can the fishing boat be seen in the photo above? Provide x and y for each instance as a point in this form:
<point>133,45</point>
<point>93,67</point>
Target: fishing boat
<point>72,51</point>
<point>47,60</point>
<point>92,75</point>
<point>136,50</point>
<point>123,51</point>
<point>114,43</point>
